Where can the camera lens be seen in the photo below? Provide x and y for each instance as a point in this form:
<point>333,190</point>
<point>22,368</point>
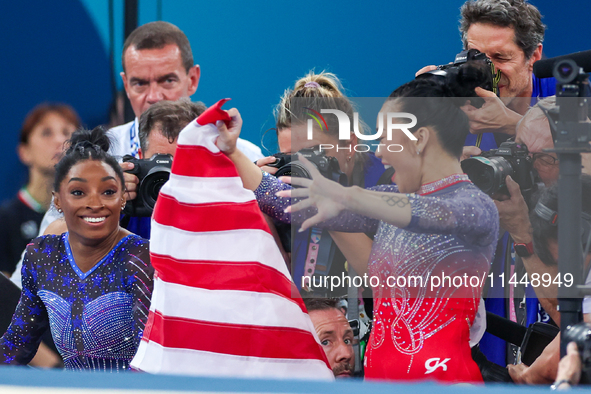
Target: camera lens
<point>580,333</point>
<point>488,174</point>
<point>565,71</point>
<point>298,170</point>
<point>152,183</point>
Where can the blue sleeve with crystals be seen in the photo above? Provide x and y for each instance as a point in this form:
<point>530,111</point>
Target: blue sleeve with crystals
<point>347,221</point>
<point>140,285</point>
<point>470,214</point>
<point>268,202</point>
<point>29,322</point>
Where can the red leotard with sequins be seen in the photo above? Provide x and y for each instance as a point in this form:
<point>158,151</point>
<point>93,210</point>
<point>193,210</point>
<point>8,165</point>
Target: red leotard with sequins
<point>422,332</point>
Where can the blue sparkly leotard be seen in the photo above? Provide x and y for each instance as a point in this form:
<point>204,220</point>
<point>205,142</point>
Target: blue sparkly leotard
<point>96,318</point>
<point>419,332</point>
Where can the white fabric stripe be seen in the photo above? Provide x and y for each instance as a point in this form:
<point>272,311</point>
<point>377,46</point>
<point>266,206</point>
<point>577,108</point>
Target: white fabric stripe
<point>196,190</point>
<point>234,245</point>
<point>229,306</point>
<point>194,134</point>
<point>154,358</point>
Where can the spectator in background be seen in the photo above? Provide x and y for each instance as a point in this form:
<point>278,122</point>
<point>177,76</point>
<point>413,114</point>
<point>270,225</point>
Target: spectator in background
<point>335,334</point>
<point>158,65</point>
<point>41,141</point>
<point>160,126</point>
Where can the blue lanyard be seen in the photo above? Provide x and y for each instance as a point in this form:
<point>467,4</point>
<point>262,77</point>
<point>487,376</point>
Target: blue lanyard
<point>134,146</point>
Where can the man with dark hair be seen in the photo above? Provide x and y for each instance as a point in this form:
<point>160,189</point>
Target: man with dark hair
<point>157,65</point>
<point>335,334</point>
<point>510,33</point>
<point>160,126</point>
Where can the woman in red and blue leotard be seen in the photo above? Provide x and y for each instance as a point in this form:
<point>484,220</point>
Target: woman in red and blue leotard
<point>445,228</point>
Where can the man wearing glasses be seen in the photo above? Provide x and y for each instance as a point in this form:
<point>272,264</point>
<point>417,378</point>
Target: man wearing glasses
<point>534,131</point>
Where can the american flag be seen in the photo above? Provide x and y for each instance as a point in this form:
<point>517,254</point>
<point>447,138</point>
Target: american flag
<point>223,302</point>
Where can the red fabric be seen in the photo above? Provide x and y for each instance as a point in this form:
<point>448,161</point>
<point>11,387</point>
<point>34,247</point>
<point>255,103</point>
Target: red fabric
<point>217,275</point>
<point>214,113</point>
<point>209,217</point>
<point>240,340</point>
<point>209,164</point>
<point>263,346</point>
<point>384,361</point>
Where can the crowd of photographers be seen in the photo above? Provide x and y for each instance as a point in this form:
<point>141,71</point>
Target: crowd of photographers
<point>510,135</point>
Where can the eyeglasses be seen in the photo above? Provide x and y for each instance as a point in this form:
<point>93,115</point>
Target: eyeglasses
<point>545,158</point>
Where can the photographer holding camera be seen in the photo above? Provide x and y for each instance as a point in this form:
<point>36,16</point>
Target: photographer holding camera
<point>544,219</point>
<point>507,174</point>
<point>510,33</point>
<point>160,126</point>
<point>341,163</point>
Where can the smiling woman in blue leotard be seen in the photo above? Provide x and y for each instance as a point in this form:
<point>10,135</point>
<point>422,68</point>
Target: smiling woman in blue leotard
<point>91,285</point>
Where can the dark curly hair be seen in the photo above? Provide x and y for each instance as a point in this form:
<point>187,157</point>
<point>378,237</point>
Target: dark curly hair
<point>86,145</point>
<point>524,18</point>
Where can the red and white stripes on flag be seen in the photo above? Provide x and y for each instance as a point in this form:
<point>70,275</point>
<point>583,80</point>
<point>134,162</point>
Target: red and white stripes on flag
<point>222,303</point>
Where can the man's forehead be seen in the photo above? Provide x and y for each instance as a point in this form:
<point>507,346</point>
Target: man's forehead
<point>329,320</point>
<point>492,36</point>
<point>168,59</point>
<point>158,143</point>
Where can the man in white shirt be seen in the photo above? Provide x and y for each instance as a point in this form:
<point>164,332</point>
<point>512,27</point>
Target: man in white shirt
<point>157,65</point>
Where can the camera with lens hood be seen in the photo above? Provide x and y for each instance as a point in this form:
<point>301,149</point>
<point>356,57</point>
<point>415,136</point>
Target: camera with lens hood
<point>152,174</point>
<point>489,170</point>
<point>328,166</point>
<point>288,165</point>
<point>470,69</point>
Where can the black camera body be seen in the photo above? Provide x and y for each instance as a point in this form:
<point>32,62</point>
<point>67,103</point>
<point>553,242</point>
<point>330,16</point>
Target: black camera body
<point>488,171</point>
<point>153,174</point>
<point>470,69</point>
<point>288,165</point>
<point>328,166</point>
<point>581,334</point>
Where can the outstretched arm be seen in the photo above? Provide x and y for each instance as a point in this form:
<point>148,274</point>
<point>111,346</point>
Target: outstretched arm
<point>472,215</point>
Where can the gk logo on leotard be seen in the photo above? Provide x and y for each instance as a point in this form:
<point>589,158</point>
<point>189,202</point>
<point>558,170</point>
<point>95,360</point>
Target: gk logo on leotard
<point>430,367</point>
